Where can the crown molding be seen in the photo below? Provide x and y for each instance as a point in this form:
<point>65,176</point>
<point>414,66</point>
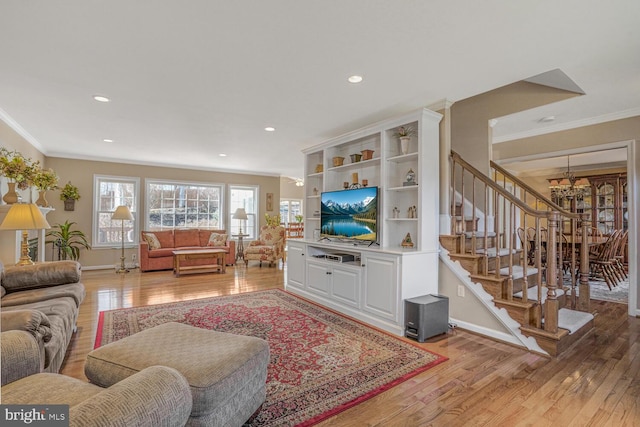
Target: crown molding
<point>619,115</point>
<point>442,104</point>
<point>20,131</point>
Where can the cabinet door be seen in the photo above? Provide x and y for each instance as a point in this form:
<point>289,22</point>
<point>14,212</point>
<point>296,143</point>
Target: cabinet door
<point>295,265</point>
<point>318,278</point>
<point>380,285</point>
<point>345,285</point>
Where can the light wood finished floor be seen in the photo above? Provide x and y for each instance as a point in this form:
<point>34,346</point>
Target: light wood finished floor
<point>485,383</point>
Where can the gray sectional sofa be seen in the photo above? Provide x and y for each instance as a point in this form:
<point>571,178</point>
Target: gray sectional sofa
<point>43,300</point>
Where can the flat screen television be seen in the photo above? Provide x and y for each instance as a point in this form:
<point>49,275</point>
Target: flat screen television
<point>350,214</point>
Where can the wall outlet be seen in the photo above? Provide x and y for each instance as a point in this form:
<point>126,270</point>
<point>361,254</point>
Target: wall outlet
<point>461,291</point>
<point>134,257</point>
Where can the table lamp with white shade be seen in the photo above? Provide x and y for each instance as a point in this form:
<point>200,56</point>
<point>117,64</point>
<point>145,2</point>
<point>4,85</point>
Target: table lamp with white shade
<point>240,214</point>
<point>25,217</point>
<point>123,214</point>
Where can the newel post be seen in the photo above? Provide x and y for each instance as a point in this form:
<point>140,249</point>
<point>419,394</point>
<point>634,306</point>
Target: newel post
<point>551,305</point>
<point>584,295</point>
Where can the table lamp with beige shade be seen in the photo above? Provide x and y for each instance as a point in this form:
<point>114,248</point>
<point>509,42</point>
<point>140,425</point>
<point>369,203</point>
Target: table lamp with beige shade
<point>25,217</point>
<point>122,213</point>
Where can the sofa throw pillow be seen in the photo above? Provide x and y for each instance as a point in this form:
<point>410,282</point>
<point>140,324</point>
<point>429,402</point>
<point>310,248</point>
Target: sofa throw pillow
<point>217,239</point>
<point>152,240</point>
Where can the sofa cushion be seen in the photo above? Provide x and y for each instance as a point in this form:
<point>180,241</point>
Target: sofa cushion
<point>217,239</point>
<point>73,290</point>
<point>62,314</point>
<point>46,389</point>
<point>160,253</point>
<point>46,274</point>
<point>184,238</point>
<point>152,240</point>
<point>204,236</point>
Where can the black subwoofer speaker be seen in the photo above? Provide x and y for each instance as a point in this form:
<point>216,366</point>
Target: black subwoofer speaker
<point>426,316</point>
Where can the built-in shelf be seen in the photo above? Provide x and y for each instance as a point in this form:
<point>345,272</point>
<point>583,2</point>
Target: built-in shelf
<point>404,188</point>
<point>403,157</point>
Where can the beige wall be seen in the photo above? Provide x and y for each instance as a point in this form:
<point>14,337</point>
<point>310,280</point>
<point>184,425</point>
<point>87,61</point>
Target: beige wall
<point>603,133</point>
<point>470,133</point>
<point>289,190</point>
<point>468,308</point>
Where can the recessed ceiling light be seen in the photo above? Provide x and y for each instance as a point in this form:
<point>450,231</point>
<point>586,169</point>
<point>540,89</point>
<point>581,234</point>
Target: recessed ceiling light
<point>107,140</point>
<point>270,129</point>
<point>222,155</point>
<point>355,79</point>
<point>101,98</point>
<point>547,119</point>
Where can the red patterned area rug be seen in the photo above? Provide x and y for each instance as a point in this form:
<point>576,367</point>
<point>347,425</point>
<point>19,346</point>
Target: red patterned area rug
<point>321,362</point>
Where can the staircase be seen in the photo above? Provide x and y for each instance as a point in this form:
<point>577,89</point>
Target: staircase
<point>533,278</point>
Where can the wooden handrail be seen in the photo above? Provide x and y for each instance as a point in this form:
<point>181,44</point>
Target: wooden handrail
<point>498,188</point>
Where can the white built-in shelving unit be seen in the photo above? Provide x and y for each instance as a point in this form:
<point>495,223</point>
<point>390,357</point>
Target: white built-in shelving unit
<point>373,284</point>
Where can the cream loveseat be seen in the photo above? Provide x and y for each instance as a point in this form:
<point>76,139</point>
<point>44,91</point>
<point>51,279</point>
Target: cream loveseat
<point>160,255</point>
<point>43,299</point>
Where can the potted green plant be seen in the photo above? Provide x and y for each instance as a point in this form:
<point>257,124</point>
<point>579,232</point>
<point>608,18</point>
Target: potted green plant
<point>69,194</point>
<point>69,242</point>
<point>404,133</point>
<point>19,170</point>
<point>44,180</point>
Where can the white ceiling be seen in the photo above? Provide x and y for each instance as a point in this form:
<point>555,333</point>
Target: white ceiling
<point>191,80</point>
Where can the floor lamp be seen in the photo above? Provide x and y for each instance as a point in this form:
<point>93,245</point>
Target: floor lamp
<point>25,217</point>
<point>123,214</point>
<point>240,214</point>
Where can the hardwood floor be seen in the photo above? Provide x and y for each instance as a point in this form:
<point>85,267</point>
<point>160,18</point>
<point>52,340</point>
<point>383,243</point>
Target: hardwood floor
<point>596,383</point>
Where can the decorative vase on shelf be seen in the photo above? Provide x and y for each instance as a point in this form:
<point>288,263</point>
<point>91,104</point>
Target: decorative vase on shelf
<point>11,196</point>
<point>42,200</point>
<point>404,144</point>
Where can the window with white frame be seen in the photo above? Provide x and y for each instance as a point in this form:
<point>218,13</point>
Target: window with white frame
<point>172,204</point>
<point>244,196</point>
<point>289,210</point>
<point>109,193</point>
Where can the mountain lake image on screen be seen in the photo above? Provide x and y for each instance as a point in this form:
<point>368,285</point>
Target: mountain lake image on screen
<point>350,214</point>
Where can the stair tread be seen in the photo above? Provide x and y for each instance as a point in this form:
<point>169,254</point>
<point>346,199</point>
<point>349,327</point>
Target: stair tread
<point>518,271</point>
<point>468,234</point>
<point>492,251</point>
<point>573,320</point>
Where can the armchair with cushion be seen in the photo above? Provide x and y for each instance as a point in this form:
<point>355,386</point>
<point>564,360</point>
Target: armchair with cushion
<point>155,396</point>
<point>269,247</point>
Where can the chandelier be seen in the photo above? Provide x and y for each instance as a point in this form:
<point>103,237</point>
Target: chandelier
<point>569,187</point>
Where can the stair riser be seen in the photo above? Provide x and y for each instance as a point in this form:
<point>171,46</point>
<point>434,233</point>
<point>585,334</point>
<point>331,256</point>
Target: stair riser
<point>468,247</point>
<point>451,243</point>
<point>504,261</point>
<point>523,315</point>
<point>469,224</point>
<point>556,346</point>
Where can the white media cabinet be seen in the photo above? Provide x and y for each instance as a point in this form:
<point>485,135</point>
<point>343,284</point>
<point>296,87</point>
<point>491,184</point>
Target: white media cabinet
<point>370,283</point>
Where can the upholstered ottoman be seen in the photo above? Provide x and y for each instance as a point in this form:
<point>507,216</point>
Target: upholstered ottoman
<point>227,373</point>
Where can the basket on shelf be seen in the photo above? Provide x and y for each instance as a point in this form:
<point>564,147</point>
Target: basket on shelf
<point>338,161</point>
<point>367,154</point>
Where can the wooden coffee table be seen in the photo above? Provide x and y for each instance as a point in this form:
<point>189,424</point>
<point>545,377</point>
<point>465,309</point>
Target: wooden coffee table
<point>182,255</point>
